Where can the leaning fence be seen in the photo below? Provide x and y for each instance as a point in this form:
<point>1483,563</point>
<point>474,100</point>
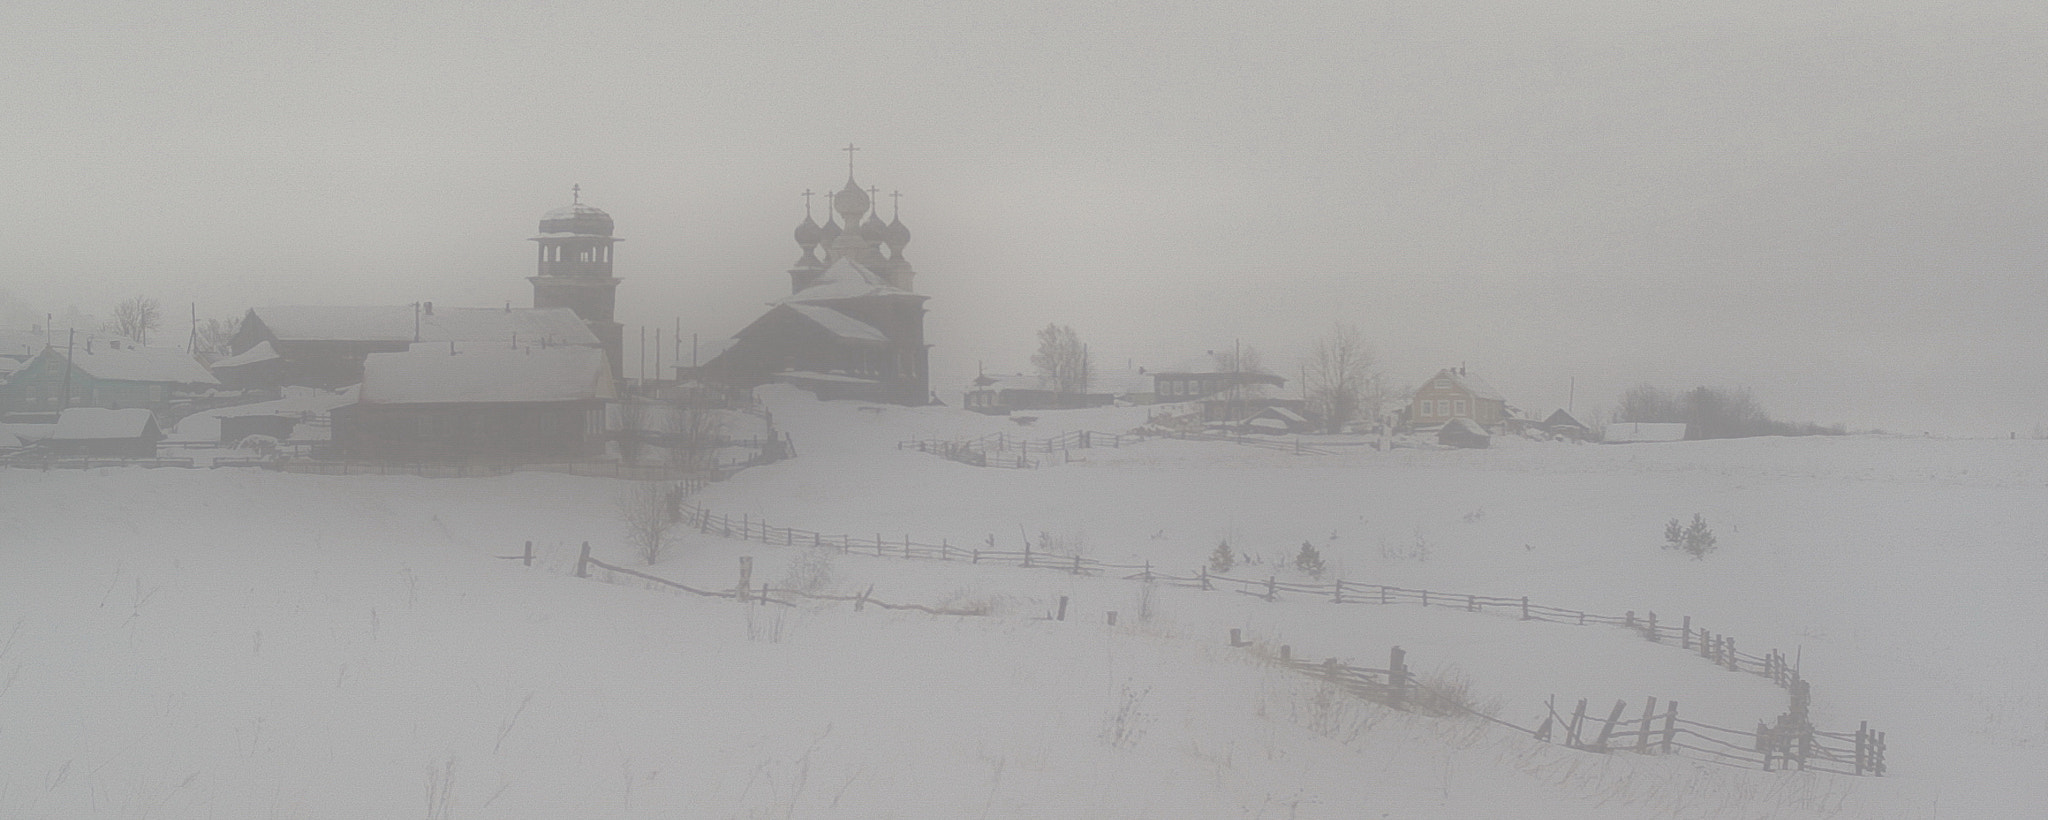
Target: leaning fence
<point>1792,740</point>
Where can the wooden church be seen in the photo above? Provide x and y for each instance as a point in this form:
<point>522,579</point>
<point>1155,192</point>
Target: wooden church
<point>852,326</point>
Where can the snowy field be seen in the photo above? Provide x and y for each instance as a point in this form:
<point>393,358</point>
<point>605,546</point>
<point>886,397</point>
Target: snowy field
<point>239,643</point>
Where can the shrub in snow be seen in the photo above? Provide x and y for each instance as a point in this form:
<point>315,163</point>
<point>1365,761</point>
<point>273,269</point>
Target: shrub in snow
<point>810,571</point>
<point>1126,722</point>
<point>1695,539</point>
<point>650,509</point>
<point>1309,560</point>
<point>1222,559</point>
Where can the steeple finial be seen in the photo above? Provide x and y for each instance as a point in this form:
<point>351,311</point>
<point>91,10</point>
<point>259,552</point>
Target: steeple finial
<point>849,149</point>
<point>807,203</point>
<point>575,194</point>
<point>875,195</point>
<point>895,204</point>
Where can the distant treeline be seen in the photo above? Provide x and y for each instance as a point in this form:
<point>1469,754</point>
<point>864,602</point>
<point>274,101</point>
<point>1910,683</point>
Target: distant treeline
<point>1712,412</point>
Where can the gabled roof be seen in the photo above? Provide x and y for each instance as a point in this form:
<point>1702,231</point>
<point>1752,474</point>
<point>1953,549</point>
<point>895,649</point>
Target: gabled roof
<point>529,375</point>
<point>846,279</point>
<point>1470,384</point>
<point>394,323</point>
<point>92,423</point>
<point>1563,419</point>
<point>839,324</point>
<point>262,352</point>
<point>137,364</point>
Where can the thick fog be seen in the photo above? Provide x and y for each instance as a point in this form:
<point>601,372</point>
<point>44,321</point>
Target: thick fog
<point>1838,205</point>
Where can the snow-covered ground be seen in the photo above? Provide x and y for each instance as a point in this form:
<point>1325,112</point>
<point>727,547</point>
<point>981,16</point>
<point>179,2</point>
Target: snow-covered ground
<point>232,643</point>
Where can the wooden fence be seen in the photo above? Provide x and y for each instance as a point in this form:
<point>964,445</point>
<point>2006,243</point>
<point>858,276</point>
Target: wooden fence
<point>1792,740</point>
<point>1000,449</point>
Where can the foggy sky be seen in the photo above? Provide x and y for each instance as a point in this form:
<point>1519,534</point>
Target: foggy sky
<point>1838,205</point>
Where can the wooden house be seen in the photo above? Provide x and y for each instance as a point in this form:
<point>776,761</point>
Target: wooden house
<point>98,432</point>
<point>108,373</point>
<point>324,346</point>
<point>495,405</point>
<point>1172,387</point>
<point>998,395</point>
<point>1454,394</point>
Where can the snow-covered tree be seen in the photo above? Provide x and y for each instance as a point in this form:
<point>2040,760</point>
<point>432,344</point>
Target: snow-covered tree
<point>1341,377</point>
<point>136,316</point>
<point>1062,360</point>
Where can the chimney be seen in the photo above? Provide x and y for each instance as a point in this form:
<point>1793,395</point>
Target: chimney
<point>430,308</point>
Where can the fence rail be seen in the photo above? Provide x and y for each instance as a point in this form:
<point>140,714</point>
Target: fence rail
<point>1796,741</point>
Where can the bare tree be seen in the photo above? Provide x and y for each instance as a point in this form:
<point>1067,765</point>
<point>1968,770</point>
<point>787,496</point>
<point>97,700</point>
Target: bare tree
<point>216,336</point>
<point>650,509</point>
<point>690,429</point>
<point>136,316</point>
<point>1062,360</point>
<point>1244,359</point>
<point>1341,377</point>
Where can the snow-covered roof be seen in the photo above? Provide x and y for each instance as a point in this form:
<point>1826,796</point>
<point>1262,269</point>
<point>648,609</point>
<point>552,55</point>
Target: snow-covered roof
<point>1633,431</point>
<point>812,375</point>
<point>846,279</point>
<point>138,364</point>
<point>1562,418</point>
<point>1281,413</point>
<point>28,432</point>
<point>1470,384</point>
<point>839,324</point>
<point>20,344</point>
<point>89,423</point>
<point>528,375</point>
<point>394,323</point>
<point>262,352</point>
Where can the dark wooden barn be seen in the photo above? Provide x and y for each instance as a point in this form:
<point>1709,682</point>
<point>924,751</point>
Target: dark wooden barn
<point>500,406</point>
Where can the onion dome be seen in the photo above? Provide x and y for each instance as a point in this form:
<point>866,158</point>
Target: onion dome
<point>830,231</point>
<point>851,202</point>
<point>898,236</point>
<point>578,218</point>
<point>873,230</point>
<point>808,234</point>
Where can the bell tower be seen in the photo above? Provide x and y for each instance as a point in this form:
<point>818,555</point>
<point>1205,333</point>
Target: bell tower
<point>575,244</point>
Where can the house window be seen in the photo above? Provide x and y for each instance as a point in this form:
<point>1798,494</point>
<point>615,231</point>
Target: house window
<point>1461,407</point>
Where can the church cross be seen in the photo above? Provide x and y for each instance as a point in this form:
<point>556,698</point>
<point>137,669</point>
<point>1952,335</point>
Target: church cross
<point>849,149</point>
<point>807,203</point>
<point>576,194</point>
<point>874,195</point>
<point>895,203</point>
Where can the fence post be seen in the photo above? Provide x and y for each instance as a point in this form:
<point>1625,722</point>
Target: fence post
<point>1525,607</point>
<point>1205,577</point>
<point>1027,555</point>
<point>1286,652</point>
<point>1338,596</point>
<point>1670,724</point>
<point>977,557</point>
<point>1063,608</point>
<point>1643,732</point>
<point>1271,592</point>
<point>583,562</point>
<point>1607,730</point>
<point>1397,676</point>
<point>1629,620</point>
<point>945,550</point>
<point>1425,599</point>
<point>1734,662</point>
<point>1471,603</point>
<point>1383,594</point>
<point>1148,574</point>
<point>1236,637</point>
<point>1652,628</point>
<point>1862,749</point>
<point>1112,617</point>
<point>1578,719</point>
<point>746,577</point>
<point>529,554</point>
<point>1077,564</point>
